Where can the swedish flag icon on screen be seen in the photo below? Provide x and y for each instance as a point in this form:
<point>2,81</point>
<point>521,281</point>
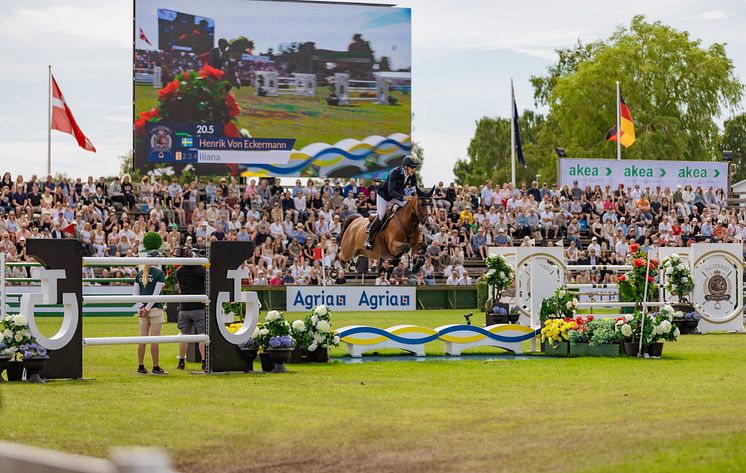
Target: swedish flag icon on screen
<point>187,142</point>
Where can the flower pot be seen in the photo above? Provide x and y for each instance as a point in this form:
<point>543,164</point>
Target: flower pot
<point>682,307</point>
<point>296,356</point>
<point>560,349</point>
<point>279,357</point>
<point>655,349</point>
<point>4,360</point>
<point>631,348</point>
<point>610,349</point>
<point>15,370</point>
<point>580,349</point>
<point>33,368</point>
<point>267,364</point>
<point>319,355</point>
<point>513,318</point>
<point>492,319</point>
<point>250,355</point>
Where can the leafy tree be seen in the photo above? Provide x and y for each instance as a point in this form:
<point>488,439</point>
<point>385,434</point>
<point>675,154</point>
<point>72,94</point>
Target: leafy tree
<point>734,139</point>
<point>674,87</point>
<point>489,151</point>
<point>568,62</point>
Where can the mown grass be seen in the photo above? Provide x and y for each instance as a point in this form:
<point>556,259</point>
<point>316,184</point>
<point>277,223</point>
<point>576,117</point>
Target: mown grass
<point>682,413</point>
<point>307,119</point>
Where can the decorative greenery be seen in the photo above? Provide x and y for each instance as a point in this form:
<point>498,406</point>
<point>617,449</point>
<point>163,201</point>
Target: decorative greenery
<point>300,333</point>
<point>274,325</point>
<point>16,333</point>
<point>581,333</point>
<point>250,344</point>
<point>319,329</point>
<point>482,294</point>
<point>664,328</point>
<point>632,285</point>
<point>562,304</point>
<point>602,332</point>
<point>679,280</point>
<point>557,330</point>
<point>631,328</point>
<point>238,309</point>
<point>171,282</point>
<point>499,275</point>
<point>152,241</point>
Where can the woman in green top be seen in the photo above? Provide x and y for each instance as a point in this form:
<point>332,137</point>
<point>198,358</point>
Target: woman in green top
<point>149,282</point>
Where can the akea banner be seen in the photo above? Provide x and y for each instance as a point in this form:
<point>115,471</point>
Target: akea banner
<point>652,174</point>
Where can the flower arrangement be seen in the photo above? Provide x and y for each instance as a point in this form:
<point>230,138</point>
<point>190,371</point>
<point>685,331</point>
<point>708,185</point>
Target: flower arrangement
<point>663,327</point>
<point>499,274</point>
<point>319,333</point>
<point>581,333</point>
<point>631,286</point>
<point>563,305</point>
<point>233,328</point>
<point>557,330</point>
<point>32,350</point>
<point>679,280</point>
<point>300,333</point>
<point>238,309</point>
<point>170,282</point>
<point>630,328</point>
<point>195,97</point>
<point>497,310</point>
<point>274,325</point>
<point>16,333</point>
<point>281,343</point>
<point>602,332</point>
<point>250,344</point>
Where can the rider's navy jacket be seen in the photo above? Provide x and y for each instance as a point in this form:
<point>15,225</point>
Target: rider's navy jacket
<point>393,187</point>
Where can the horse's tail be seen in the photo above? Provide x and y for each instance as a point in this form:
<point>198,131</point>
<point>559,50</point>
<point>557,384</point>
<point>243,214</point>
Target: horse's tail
<point>345,224</point>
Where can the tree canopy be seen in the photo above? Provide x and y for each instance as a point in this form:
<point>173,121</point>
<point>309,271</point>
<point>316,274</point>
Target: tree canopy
<point>675,88</point>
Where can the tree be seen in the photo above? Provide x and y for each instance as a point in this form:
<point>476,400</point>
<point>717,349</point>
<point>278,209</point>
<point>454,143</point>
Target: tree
<point>568,62</point>
<point>675,89</point>
<point>489,151</point>
<point>734,139</point>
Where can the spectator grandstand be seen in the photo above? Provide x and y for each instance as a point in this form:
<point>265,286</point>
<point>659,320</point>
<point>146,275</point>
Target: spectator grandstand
<point>295,228</point>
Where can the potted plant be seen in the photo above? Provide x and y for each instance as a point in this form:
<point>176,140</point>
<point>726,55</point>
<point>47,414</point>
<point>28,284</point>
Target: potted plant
<point>555,336</point>
<point>633,285</point>
<point>663,330</point>
<point>16,333</point>
<point>580,335</point>
<point>603,339</point>
<point>498,315</point>
<point>687,322</point>
<point>679,282</point>
<point>34,359</point>
<point>562,305</point>
<point>300,334</point>
<point>234,312</point>
<point>274,325</point>
<point>499,276</point>
<point>279,350</point>
<point>4,360</point>
<point>320,335</point>
<point>171,285</point>
<point>250,348</point>
<point>630,329</point>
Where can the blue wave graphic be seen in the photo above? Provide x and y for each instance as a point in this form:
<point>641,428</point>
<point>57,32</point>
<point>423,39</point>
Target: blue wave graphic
<point>389,335</point>
<point>493,336</point>
<point>332,150</point>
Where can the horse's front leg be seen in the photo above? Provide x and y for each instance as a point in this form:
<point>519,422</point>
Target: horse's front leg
<point>399,248</point>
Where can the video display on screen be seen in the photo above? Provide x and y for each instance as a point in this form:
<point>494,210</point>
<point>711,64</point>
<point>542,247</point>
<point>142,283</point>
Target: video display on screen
<point>271,88</point>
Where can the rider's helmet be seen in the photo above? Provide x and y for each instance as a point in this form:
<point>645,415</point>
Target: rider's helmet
<point>409,161</point>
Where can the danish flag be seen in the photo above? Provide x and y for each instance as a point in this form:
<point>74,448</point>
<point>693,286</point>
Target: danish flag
<point>63,120</point>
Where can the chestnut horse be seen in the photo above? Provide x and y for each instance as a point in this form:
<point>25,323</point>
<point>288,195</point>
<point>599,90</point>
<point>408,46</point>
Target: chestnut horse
<point>401,233</point>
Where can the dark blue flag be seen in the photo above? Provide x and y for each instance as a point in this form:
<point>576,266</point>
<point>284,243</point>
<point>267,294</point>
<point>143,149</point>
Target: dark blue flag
<point>518,149</point>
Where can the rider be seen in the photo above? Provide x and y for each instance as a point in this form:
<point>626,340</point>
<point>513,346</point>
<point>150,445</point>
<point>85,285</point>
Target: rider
<point>391,190</point>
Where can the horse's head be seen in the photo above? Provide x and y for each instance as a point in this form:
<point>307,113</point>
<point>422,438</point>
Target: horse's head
<point>421,202</point>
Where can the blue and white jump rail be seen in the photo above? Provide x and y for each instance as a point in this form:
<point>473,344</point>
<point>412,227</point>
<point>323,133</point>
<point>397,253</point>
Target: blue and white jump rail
<point>360,339</point>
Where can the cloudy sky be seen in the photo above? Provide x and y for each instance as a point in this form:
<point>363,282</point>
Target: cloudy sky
<point>463,53</point>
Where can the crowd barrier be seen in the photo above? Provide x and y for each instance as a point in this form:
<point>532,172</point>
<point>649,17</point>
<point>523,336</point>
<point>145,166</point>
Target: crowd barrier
<point>61,283</point>
<point>717,273</point>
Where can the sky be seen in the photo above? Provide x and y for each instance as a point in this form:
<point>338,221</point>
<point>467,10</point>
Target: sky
<point>464,54</point>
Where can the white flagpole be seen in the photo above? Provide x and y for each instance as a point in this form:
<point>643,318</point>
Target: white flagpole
<point>512,135</point>
<point>49,121</point>
<point>618,123</point>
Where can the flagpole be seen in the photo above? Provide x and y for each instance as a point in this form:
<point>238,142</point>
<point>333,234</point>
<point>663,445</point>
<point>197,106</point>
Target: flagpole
<point>49,121</point>
<point>618,124</point>
<point>512,135</point>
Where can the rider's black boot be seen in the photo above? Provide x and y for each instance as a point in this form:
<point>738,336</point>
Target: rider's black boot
<point>372,233</point>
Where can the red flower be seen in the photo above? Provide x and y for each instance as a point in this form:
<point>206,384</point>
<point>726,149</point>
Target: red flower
<point>169,90</point>
<point>211,72</point>
<point>233,108</point>
<point>638,262</point>
<point>590,318</point>
<point>230,130</point>
<point>621,278</point>
<point>150,114</point>
<point>140,127</point>
<point>634,247</point>
<point>650,279</point>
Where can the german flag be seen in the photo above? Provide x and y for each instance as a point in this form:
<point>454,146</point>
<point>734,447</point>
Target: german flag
<point>628,126</point>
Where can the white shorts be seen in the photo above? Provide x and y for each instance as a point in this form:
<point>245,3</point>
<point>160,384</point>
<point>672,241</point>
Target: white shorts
<point>382,204</point>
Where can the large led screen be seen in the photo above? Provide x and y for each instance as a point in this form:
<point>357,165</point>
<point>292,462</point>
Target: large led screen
<point>271,88</point>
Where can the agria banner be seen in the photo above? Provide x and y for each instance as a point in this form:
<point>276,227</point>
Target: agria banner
<point>592,172</point>
<point>346,298</point>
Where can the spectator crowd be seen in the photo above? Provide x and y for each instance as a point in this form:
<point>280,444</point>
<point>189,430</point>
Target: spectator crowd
<point>294,228</point>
